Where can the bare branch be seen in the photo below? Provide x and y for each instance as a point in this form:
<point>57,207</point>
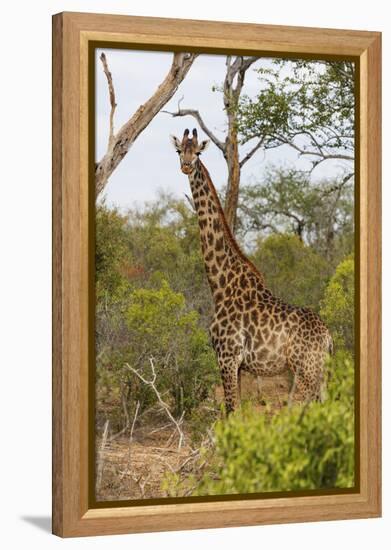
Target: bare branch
<point>251,152</point>
<point>195,114</point>
<point>112,98</point>
<point>339,186</point>
<point>307,152</point>
<point>247,62</point>
<point>191,202</point>
<point>164,406</point>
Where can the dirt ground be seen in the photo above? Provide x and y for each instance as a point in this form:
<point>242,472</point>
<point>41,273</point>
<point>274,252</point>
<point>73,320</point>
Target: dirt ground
<point>128,471</point>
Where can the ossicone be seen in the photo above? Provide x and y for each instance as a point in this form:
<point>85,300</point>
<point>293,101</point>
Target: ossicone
<point>185,135</point>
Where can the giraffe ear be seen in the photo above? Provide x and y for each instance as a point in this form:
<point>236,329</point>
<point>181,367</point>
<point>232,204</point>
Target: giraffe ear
<point>176,143</point>
<point>203,146</point>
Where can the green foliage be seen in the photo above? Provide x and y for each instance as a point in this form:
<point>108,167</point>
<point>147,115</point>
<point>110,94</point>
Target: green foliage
<point>314,100</point>
<point>152,301</point>
<point>341,377</point>
<point>159,326</point>
<point>158,314</point>
<point>337,306</point>
<point>308,448</point>
<point>164,239</point>
<point>112,253</point>
<point>293,271</point>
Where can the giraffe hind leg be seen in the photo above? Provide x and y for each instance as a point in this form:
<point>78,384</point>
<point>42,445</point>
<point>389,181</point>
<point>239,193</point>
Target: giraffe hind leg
<point>308,378</point>
<point>229,368</point>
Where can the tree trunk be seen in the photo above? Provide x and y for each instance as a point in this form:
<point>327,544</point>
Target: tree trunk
<point>233,84</point>
<point>232,193</point>
<point>120,143</point>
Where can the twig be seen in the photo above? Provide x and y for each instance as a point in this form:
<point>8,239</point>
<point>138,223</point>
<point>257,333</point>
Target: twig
<point>134,422</point>
<point>173,433</point>
<point>251,152</point>
<point>191,202</point>
<point>196,114</point>
<point>127,419</point>
<point>138,481</point>
<point>131,439</point>
<point>159,429</point>
<point>167,464</point>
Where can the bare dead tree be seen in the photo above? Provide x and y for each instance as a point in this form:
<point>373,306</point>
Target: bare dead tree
<point>119,143</point>
<point>152,384</point>
<point>232,87</point>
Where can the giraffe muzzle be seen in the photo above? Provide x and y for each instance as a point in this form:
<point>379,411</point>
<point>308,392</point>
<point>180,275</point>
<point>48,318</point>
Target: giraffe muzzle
<point>187,168</point>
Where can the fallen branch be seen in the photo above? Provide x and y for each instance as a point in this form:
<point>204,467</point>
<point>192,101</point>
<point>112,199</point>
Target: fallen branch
<point>163,404</point>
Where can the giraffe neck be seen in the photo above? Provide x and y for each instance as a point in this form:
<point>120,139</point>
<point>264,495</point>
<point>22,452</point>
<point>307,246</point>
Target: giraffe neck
<point>222,256</point>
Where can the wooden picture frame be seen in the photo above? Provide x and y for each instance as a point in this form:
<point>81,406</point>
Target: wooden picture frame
<point>73,34</point>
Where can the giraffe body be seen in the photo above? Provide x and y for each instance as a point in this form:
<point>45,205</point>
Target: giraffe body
<point>251,330</point>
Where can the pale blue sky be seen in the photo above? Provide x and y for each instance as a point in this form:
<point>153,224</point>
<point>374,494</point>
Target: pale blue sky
<point>151,163</point>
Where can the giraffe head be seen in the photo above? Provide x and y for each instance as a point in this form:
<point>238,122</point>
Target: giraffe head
<point>189,150</point>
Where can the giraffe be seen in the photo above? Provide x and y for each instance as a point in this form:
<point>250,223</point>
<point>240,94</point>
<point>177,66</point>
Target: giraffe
<point>251,329</point>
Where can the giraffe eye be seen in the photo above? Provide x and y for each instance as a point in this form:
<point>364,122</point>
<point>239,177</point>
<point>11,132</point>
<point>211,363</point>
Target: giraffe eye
<point>198,154</point>
<point>178,151</point>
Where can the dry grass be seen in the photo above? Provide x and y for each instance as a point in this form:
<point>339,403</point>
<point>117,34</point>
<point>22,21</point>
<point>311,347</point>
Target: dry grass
<point>136,470</point>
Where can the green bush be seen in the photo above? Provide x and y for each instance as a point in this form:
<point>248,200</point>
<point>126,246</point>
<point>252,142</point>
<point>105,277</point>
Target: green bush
<point>341,377</point>
<point>164,239</point>
<point>337,306</point>
<point>161,326</point>
<point>309,448</point>
<point>293,271</point>
<point>112,255</point>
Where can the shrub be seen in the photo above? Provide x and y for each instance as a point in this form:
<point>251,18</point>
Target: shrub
<point>161,326</point>
<point>112,254</point>
<point>293,271</point>
<point>308,448</point>
<point>337,306</point>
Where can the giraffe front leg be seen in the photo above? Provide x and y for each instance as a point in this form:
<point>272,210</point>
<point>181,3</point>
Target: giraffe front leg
<point>229,368</point>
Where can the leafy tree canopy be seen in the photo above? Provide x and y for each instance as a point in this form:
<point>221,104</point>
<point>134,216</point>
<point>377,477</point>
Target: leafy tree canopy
<point>307,105</point>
